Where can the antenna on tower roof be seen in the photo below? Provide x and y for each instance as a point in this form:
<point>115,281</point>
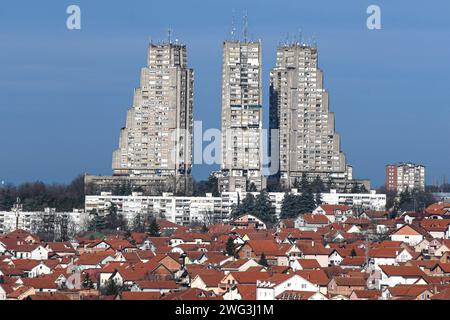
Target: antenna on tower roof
<point>233,27</point>
<point>169,34</point>
<point>300,36</point>
<point>245,26</point>
<point>314,41</point>
<point>286,42</point>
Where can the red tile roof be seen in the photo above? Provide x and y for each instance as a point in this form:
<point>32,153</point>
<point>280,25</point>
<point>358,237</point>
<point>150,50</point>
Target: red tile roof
<point>309,264</point>
<point>443,295</point>
<point>44,282</point>
<point>249,277</point>
<point>409,291</point>
<point>316,219</point>
<point>368,294</point>
<point>247,291</point>
<point>350,281</point>
<point>402,271</point>
<point>439,208</point>
<point>318,277</point>
<point>330,209</point>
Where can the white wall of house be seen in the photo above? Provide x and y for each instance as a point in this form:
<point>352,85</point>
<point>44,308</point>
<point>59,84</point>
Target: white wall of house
<point>283,261</point>
<point>395,280</point>
<point>441,250</point>
<point>294,283</point>
<point>412,240</point>
<point>105,277</point>
<point>335,259</point>
<point>354,229</point>
<point>198,283</point>
<point>403,256</point>
<point>40,253</point>
<point>322,259</point>
<point>39,270</point>
<point>318,296</point>
<point>232,294</point>
<point>437,234</point>
<point>377,262</point>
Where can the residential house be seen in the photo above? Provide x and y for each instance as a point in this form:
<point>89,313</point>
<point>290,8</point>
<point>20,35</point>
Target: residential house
<point>394,275</point>
<point>334,213</point>
<point>407,234</point>
<point>311,222</point>
<point>344,285</point>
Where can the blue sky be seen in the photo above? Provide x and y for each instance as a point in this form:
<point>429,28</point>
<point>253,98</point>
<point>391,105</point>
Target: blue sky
<point>64,94</point>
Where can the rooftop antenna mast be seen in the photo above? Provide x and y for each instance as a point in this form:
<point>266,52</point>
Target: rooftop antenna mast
<point>245,26</point>
<point>169,35</point>
<point>300,36</point>
<point>287,39</point>
<point>233,27</point>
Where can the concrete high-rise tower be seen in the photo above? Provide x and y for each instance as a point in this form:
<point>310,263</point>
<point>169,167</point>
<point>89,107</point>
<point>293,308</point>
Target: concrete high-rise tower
<point>241,166</point>
<point>299,108</point>
<point>156,143</point>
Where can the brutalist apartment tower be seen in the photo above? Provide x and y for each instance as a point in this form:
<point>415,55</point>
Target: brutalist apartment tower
<point>241,160</point>
<point>299,109</point>
<point>156,143</point>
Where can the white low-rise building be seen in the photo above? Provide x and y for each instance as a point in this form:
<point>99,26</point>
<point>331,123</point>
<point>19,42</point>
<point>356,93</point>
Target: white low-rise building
<point>370,201</point>
<point>209,209</point>
<point>29,221</point>
<point>180,210</point>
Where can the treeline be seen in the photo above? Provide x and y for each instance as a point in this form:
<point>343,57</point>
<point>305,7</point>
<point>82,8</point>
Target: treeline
<point>36,196</point>
<point>201,188</point>
<point>445,187</point>
<point>112,220</point>
<point>414,201</point>
<point>259,206</point>
<point>309,197</point>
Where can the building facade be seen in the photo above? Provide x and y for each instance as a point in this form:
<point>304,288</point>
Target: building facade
<point>208,209</point>
<point>241,154</point>
<point>32,221</point>
<point>299,109</point>
<point>177,209</point>
<point>405,176</point>
<point>370,200</point>
<point>156,142</point>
